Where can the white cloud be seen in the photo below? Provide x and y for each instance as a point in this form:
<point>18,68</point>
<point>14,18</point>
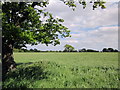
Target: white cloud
<point>83,23</point>
<point>94,39</point>
<point>85,17</point>
<point>102,37</point>
<point>72,41</point>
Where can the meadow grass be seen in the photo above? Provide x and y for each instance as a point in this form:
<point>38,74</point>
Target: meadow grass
<point>71,59</point>
<point>64,70</point>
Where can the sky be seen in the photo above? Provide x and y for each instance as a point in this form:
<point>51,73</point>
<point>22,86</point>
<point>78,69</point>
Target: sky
<point>90,29</point>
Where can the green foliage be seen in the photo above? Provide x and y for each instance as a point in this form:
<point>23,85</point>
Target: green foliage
<point>68,48</point>
<point>17,50</point>
<point>96,3</point>
<point>109,50</point>
<point>52,75</point>
<point>22,23</point>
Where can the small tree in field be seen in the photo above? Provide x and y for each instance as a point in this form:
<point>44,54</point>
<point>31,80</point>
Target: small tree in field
<point>83,50</point>
<point>68,48</point>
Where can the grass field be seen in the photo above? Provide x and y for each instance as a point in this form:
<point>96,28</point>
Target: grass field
<point>64,70</point>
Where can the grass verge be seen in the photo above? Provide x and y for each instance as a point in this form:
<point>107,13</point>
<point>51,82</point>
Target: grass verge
<point>46,74</point>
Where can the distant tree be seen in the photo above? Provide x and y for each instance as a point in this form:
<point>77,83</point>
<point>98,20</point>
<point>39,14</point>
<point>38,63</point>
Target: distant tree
<point>68,48</point>
<point>116,50</point>
<point>25,50</point>
<point>18,50</point>
<point>83,50</point>
<point>35,50</point>
<point>104,50</point>
<point>74,51</point>
<point>79,50</point>
<point>31,50</point>
<point>91,50</point>
<point>109,50</point>
<point>60,51</point>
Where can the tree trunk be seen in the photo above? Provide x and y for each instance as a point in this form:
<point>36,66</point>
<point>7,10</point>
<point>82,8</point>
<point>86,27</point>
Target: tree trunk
<point>8,62</point>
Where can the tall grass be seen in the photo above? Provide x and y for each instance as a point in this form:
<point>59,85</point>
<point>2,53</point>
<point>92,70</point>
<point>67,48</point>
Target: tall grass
<point>64,70</point>
<point>74,59</point>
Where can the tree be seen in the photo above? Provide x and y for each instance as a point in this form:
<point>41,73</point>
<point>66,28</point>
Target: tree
<point>116,50</point>
<point>22,24</point>
<point>68,48</point>
<point>104,50</point>
<point>110,50</point>
<point>96,3</point>
<point>35,50</point>
<point>91,50</point>
<point>83,50</point>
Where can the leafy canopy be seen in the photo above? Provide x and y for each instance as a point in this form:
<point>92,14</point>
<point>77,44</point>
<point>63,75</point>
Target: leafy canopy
<point>68,48</point>
<point>96,3</point>
<point>23,23</point>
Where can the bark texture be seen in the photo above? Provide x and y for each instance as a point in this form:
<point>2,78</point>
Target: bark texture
<point>8,62</point>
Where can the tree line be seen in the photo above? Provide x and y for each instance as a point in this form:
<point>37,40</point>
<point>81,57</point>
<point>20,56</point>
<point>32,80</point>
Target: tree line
<point>68,48</point>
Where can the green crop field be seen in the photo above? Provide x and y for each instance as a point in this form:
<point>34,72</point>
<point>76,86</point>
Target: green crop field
<point>64,70</point>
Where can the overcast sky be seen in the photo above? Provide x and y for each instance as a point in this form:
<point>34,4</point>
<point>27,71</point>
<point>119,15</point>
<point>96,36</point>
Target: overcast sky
<point>91,29</point>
